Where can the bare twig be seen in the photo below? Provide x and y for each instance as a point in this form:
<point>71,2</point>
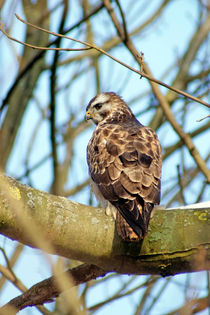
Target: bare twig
<point>34,59</point>
<point>180,181</point>
<point>137,57</point>
<point>157,295</point>
<point>125,33</point>
<point>145,296</point>
<point>15,255</point>
<point>122,292</point>
<point>193,306</point>
<point>74,190</point>
<point>46,290</point>
<point>169,150</point>
<point>8,263</point>
<point>199,120</point>
<point>56,187</point>
<point>184,136</point>
<point>9,275</point>
<point>40,47</point>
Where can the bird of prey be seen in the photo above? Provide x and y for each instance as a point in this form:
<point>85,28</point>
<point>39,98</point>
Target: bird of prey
<point>124,160</point>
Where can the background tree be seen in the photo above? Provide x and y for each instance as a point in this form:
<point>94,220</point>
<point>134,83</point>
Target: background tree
<point>43,134</point>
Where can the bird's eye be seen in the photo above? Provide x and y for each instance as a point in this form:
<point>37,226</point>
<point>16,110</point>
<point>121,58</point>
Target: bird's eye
<point>98,106</point>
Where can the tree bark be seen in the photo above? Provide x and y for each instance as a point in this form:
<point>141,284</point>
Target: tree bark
<point>177,241</point>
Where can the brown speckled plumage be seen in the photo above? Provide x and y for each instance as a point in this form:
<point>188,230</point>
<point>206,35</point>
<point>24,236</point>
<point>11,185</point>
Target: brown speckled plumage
<point>124,159</point>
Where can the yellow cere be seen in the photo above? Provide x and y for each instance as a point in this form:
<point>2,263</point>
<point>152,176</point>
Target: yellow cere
<point>89,114</point>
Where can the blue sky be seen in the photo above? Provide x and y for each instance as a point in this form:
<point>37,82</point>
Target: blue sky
<point>162,43</point>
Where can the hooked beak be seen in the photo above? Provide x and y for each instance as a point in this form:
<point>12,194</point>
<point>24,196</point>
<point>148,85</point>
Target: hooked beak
<point>88,115</point>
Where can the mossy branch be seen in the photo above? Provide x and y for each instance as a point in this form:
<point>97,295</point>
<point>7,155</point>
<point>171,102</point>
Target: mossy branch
<point>178,240</point>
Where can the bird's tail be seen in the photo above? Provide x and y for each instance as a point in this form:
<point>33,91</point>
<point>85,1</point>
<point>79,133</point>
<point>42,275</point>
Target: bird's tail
<point>135,230</point>
<point>125,230</point>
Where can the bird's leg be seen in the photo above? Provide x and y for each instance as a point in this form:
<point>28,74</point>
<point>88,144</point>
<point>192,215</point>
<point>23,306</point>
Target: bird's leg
<point>111,210</point>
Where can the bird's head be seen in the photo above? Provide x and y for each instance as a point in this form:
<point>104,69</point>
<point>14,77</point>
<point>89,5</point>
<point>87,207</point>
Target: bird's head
<point>106,105</point>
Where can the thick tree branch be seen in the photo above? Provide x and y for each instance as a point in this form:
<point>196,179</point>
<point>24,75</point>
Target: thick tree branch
<point>178,240</point>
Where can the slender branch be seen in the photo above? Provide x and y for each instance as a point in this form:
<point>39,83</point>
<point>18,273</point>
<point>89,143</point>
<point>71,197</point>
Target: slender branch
<point>48,289</point>
<point>9,275</point>
<point>15,255</point>
<point>39,55</point>
<point>169,150</point>
<point>53,78</point>
<point>125,33</point>
<point>199,120</point>
<point>184,136</point>
<point>122,293</point>
<point>114,41</point>
<point>192,306</point>
<point>142,74</point>
<point>74,190</point>
<point>157,296</point>
<point>40,47</point>
<point>180,181</point>
<point>192,48</point>
<point>145,297</point>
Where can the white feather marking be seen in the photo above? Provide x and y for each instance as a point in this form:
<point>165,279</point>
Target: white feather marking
<point>104,141</point>
<point>101,98</point>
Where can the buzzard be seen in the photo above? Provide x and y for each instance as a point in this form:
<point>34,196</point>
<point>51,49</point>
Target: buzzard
<point>124,160</point>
